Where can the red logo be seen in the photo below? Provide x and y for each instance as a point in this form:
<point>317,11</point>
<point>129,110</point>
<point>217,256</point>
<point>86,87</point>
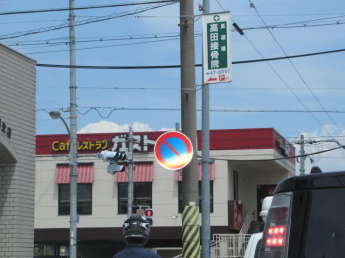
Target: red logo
<point>222,77</point>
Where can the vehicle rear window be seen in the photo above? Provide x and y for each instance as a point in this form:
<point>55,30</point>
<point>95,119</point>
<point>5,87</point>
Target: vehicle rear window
<point>325,232</point>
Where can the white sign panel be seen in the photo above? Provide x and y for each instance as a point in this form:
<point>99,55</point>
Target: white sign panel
<point>216,48</point>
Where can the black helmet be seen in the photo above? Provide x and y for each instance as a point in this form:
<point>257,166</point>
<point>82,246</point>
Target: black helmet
<point>136,229</point>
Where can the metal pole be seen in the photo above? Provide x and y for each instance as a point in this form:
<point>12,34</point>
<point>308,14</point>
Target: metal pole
<point>205,159</point>
<point>177,127</point>
<point>190,192</point>
<point>302,152</point>
<point>73,127</point>
<point>130,173</point>
<point>188,99</point>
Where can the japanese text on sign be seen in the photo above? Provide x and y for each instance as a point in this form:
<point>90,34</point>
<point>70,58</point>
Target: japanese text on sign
<point>216,41</point>
<point>217,45</point>
<point>97,145</point>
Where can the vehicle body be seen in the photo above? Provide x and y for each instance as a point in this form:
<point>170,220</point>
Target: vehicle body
<point>253,247</point>
<point>306,218</point>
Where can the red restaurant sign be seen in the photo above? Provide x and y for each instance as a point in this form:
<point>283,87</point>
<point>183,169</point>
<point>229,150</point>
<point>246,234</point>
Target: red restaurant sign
<point>234,139</point>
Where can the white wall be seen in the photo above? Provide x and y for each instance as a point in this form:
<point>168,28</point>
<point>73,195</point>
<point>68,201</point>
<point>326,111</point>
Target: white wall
<point>17,174</point>
<point>164,187</point>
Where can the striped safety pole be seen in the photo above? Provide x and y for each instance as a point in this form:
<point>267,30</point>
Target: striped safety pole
<point>190,232</point>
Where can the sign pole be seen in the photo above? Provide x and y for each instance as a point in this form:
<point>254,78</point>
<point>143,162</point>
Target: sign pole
<point>216,69</point>
<point>205,161</point>
<point>130,173</point>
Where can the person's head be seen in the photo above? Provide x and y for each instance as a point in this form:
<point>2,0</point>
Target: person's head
<point>136,229</point>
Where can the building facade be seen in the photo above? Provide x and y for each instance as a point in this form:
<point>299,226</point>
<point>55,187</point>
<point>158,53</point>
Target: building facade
<point>17,153</point>
<point>247,165</point>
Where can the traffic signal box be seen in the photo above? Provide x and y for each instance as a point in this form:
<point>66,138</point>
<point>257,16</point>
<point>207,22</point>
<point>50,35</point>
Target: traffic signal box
<point>149,216</point>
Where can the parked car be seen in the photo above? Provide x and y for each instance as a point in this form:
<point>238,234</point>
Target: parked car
<point>306,218</point>
<point>253,247</point>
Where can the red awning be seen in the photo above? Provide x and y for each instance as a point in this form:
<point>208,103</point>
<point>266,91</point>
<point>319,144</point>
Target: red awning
<point>143,173</point>
<point>84,172</point>
<point>178,176</point>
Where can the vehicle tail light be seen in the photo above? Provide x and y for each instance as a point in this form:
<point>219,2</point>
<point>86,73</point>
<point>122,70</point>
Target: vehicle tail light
<point>276,233</point>
<point>276,236</point>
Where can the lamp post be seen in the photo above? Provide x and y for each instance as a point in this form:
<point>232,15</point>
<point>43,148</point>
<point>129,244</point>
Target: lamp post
<point>73,187</point>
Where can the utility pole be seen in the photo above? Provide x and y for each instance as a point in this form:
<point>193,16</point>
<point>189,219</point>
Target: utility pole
<point>73,136</point>
<point>302,152</point>
<point>130,173</point>
<point>205,161</point>
<point>190,192</point>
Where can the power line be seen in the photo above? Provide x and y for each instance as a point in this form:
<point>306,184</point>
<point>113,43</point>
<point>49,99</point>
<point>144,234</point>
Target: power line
<point>101,47</point>
<point>112,109</point>
<point>84,22</point>
<point>211,110</point>
<point>252,5</point>
<point>304,22</point>
<point>295,26</point>
<point>57,41</point>
<point>48,42</point>
<point>84,7</point>
<point>290,157</point>
<point>282,15</point>
<point>178,66</point>
<point>157,35</point>
<point>299,74</point>
<point>16,22</point>
<point>222,89</point>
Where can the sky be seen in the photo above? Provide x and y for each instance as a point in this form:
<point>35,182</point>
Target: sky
<point>277,94</point>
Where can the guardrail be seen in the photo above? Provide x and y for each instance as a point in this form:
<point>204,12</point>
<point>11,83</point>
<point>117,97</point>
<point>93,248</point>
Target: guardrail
<point>227,246</point>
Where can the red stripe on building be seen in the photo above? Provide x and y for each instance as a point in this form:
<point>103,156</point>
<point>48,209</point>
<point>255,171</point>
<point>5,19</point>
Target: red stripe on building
<point>178,176</point>
<point>143,173</point>
<point>84,174</point>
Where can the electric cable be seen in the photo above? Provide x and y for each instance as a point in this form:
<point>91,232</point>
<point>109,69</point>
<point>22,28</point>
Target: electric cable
<point>178,66</point>
<point>112,109</point>
<point>101,47</point>
<point>84,22</point>
<point>214,89</point>
<point>51,183</point>
<point>299,74</point>
<point>57,41</point>
<point>84,7</point>
<point>103,39</point>
<point>290,157</point>
<point>252,5</point>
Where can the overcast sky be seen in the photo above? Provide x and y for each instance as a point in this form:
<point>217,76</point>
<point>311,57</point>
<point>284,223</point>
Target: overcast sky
<point>299,85</point>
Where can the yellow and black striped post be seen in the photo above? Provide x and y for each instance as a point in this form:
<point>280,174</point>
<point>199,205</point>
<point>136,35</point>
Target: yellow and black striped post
<point>190,232</point>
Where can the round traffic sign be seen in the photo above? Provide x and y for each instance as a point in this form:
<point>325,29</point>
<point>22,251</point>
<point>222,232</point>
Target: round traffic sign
<point>173,150</point>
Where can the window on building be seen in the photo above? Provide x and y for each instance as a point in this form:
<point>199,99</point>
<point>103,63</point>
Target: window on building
<point>142,195</point>
<point>84,199</point>
<point>180,207</point>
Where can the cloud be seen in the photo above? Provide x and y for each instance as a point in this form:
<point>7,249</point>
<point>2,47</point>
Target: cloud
<point>319,141</point>
<point>111,127</point>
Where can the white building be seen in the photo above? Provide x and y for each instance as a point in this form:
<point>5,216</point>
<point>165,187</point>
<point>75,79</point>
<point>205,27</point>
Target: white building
<point>248,163</point>
<point>17,153</point>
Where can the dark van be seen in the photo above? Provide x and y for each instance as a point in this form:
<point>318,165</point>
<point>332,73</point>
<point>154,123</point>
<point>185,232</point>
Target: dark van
<point>306,218</point>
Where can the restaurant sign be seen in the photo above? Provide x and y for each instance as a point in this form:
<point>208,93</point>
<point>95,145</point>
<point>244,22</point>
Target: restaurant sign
<point>119,143</point>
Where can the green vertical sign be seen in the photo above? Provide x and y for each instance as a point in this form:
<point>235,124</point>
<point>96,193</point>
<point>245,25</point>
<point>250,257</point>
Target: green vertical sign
<point>217,45</point>
<point>216,48</point>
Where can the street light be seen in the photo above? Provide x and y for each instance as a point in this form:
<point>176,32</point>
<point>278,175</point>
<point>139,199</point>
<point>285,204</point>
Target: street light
<point>57,115</point>
<point>73,185</point>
